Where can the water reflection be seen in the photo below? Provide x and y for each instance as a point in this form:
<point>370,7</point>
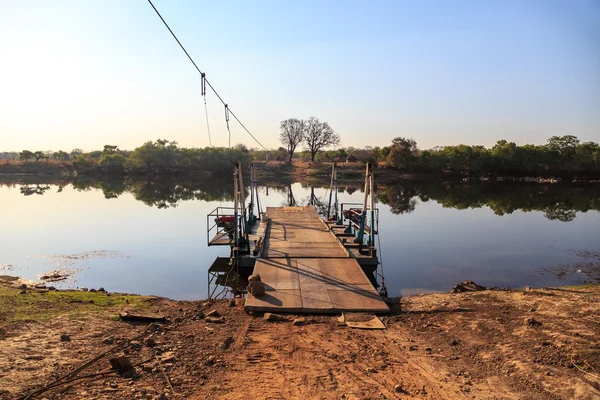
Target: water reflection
<point>28,190</point>
<point>560,202</point>
<point>557,202</point>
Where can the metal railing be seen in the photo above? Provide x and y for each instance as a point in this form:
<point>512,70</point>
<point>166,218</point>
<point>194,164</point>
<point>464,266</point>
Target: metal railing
<point>215,228</point>
<point>356,223</point>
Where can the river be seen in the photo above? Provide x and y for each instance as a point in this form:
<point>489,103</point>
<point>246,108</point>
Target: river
<point>149,237</point>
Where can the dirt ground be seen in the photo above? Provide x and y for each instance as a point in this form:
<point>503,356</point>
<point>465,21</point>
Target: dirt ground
<point>531,344</point>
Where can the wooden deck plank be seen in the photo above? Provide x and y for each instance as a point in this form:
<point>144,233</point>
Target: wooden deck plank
<point>342,272</point>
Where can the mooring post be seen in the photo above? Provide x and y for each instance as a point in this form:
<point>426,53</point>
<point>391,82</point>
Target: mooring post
<point>251,204</point>
<point>335,203</point>
<point>363,215</point>
<point>331,189</point>
<point>243,202</point>
<point>372,194</point>
<point>235,206</point>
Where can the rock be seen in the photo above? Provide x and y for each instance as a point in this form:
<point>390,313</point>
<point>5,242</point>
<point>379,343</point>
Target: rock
<point>467,286</point>
<point>370,370</point>
<point>65,338</point>
<point>102,289</point>
<point>23,286</point>
<point>275,317</point>
<point>168,356</point>
<point>454,342</point>
<point>232,303</point>
<point>213,313</point>
<point>527,288</point>
<point>153,327</point>
<point>93,290</point>
<point>121,364</point>
<point>51,288</point>
<point>213,320</point>
<point>299,321</point>
<point>399,388</point>
<point>227,343</point>
<point>162,396</point>
<point>84,289</point>
<point>254,278</point>
<point>210,360</point>
<point>131,374</point>
<point>428,349</point>
<point>40,286</point>
<point>109,340</point>
<point>413,348</point>
<point>24,291</point>
<point>533,323</point>
<point>113,385</point>
<point>256,288</point>
<point>136,346</point>
<point>150,342</point>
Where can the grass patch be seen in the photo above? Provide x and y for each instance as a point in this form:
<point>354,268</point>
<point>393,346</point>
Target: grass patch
<point>42,306</point>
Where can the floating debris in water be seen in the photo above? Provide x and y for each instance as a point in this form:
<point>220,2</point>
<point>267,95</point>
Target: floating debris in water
<point>63,260</point>
<point>57,275</point>
<point>582,271</point>
<point>67,265</point>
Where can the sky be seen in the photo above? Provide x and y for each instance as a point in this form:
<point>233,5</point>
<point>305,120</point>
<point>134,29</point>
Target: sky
<point>82,73</point>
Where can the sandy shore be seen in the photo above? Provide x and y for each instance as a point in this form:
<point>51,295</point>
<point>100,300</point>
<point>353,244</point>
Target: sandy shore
<point>521,344</point>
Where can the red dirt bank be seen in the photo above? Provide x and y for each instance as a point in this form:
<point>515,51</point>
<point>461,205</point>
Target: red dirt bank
<point>481,345</point>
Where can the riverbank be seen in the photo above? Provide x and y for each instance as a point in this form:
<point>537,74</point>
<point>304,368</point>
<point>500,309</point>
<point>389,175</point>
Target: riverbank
<point>517,344</point>
<point>298,171</point>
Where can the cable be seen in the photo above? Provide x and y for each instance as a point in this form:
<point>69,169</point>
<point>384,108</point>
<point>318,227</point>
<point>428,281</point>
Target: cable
<point>203,86</point>
<point>205,81</point>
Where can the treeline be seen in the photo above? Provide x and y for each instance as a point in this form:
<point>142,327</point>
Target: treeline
<point>560,156</point>
<point>158,157</point>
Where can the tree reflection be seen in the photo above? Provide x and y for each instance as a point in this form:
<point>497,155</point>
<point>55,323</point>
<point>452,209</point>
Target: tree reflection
<point>557,202</point>
<point>400,198</point>
<point>28,190</point>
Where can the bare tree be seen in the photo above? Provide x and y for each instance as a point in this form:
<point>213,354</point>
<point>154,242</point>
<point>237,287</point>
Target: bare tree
<point>319,135</point>
<point>292,134</point>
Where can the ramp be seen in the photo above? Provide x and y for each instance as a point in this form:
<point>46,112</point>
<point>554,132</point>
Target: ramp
<point>305,269</point>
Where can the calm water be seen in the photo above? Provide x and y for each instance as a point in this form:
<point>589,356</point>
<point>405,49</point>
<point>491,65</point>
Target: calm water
<point>150,237</point>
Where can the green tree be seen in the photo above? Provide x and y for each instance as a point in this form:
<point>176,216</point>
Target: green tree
<point>39,155</point>
<point>60,155</point>
<point>403,153</point>
<point>26,155</point>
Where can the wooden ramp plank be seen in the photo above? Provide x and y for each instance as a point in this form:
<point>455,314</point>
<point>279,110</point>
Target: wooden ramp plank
<point>277,274</point>
<point>282,300</point>
<point>357,300</point>
<point>312,286</point>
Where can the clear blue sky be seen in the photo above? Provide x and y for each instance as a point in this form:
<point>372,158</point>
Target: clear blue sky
<point>82,73</point>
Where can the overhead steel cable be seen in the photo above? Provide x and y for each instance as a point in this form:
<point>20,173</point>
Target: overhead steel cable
<point>205,81</point>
